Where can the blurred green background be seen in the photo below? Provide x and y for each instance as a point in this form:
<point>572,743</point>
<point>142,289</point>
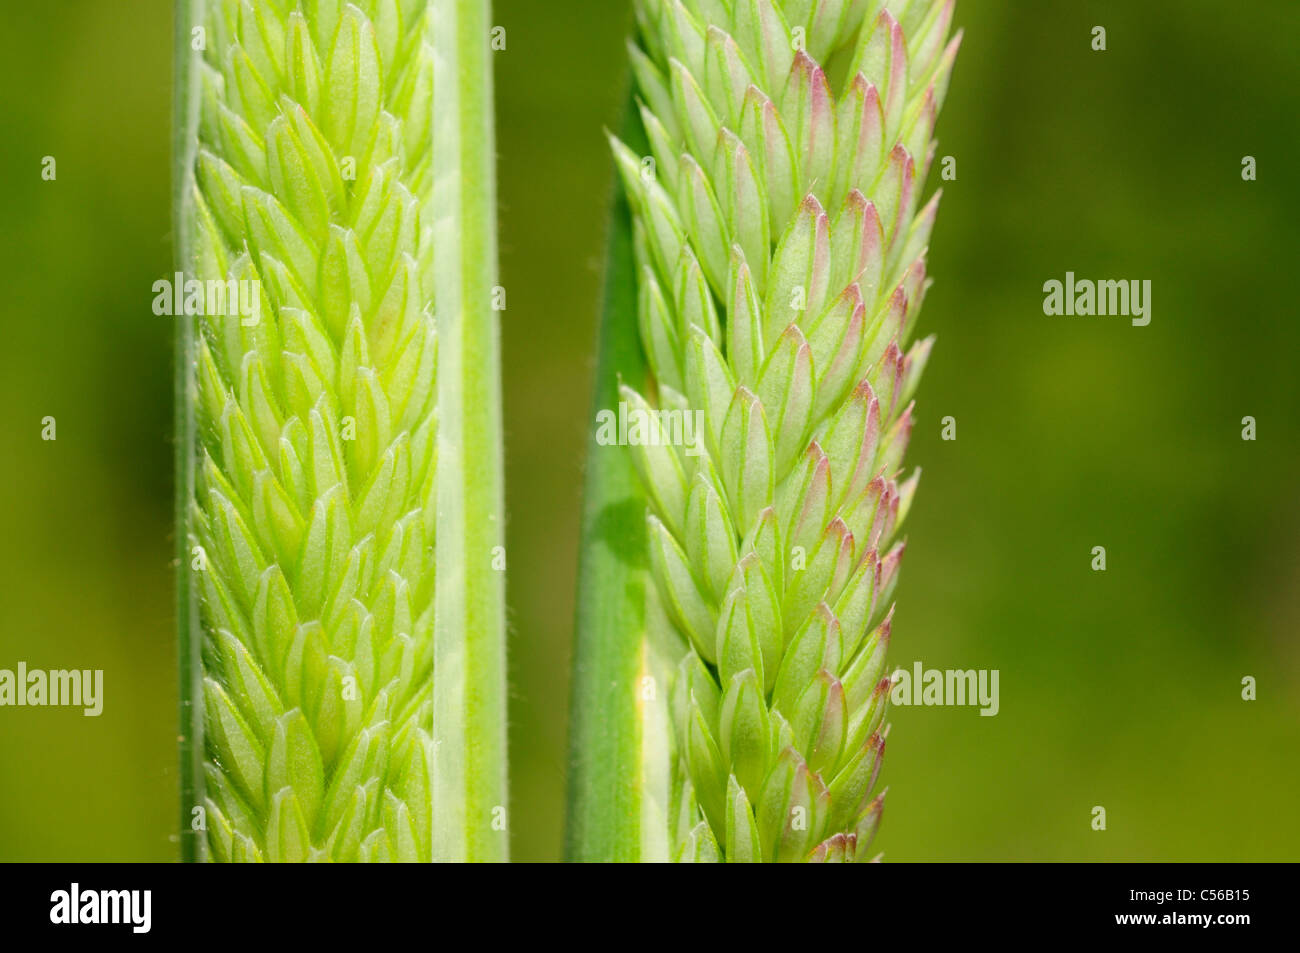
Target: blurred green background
<point>1120,689</point>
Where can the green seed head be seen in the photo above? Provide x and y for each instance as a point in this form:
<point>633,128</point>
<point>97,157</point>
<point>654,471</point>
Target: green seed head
<point>314,482</point>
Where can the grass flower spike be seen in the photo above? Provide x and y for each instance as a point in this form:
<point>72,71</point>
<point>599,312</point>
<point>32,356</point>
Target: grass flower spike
<point>780,256</point>
<point>311,520</point>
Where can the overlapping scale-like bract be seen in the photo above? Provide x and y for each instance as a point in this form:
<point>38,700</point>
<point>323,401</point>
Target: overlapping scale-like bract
<point>781,258</point>
<point>313,516</point>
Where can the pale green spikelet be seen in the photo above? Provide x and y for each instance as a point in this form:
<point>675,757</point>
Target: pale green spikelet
<point>781,257</point>
<point>316,428</point>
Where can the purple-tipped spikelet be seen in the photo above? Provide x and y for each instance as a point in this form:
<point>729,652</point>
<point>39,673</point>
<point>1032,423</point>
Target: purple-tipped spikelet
<point>781,262</point>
